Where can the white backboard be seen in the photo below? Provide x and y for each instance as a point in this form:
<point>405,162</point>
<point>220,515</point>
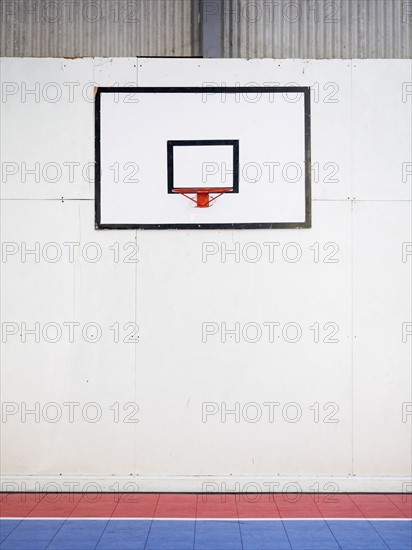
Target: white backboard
<point>249,146</point>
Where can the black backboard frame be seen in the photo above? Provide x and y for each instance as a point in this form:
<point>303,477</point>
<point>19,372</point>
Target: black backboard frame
<point>307,223</point>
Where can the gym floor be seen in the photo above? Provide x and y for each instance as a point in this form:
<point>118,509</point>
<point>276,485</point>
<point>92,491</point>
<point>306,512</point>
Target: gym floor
<point>205,521</point>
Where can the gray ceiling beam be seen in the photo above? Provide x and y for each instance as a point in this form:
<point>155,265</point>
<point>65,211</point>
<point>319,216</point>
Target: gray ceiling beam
<point>212,28</point>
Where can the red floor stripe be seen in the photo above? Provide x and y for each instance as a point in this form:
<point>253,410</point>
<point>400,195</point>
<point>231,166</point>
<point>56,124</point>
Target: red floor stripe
<point>182,507</point>
<point>136,505</point>
<point>19,504</point>
<point>95,506</point>
<point>337,506</point>
<point>378,507</point>
<point>216,506</point>
<point>403,502</point>
<point>145,505</point>
<point>297,506</point>
<point>56,505</point>
<point>257,506</point>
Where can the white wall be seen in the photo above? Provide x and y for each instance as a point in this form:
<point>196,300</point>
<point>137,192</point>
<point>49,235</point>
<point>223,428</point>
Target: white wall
<point>361,116</point>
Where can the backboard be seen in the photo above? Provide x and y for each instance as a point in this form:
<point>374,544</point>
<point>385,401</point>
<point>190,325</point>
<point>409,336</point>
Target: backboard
<point>240,155</point>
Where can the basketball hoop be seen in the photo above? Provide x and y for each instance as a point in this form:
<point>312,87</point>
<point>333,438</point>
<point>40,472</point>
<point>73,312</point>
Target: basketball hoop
<point>185,163</point>
<point>203,199</point>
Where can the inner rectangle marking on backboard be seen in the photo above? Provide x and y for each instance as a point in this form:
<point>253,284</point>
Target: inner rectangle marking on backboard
<point>203,163</point>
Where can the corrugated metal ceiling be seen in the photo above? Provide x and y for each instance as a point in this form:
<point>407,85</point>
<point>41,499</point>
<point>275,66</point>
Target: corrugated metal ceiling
<point>83,28</point>
<point>320,29</point>
<point>279,29</point>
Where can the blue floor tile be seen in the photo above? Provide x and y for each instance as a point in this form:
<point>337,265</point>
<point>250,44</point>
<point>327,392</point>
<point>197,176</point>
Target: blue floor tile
<point>264,535</point>
<point>396,534</point>
<point>78,535</point>
<point>356,535</point>
<point>171,535</point>
<point>213,535</point>
<point>7,526</point>
<point>32,535</point>
<point>124,535</point>
<point>310,535</point>
<point>115,534</point>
